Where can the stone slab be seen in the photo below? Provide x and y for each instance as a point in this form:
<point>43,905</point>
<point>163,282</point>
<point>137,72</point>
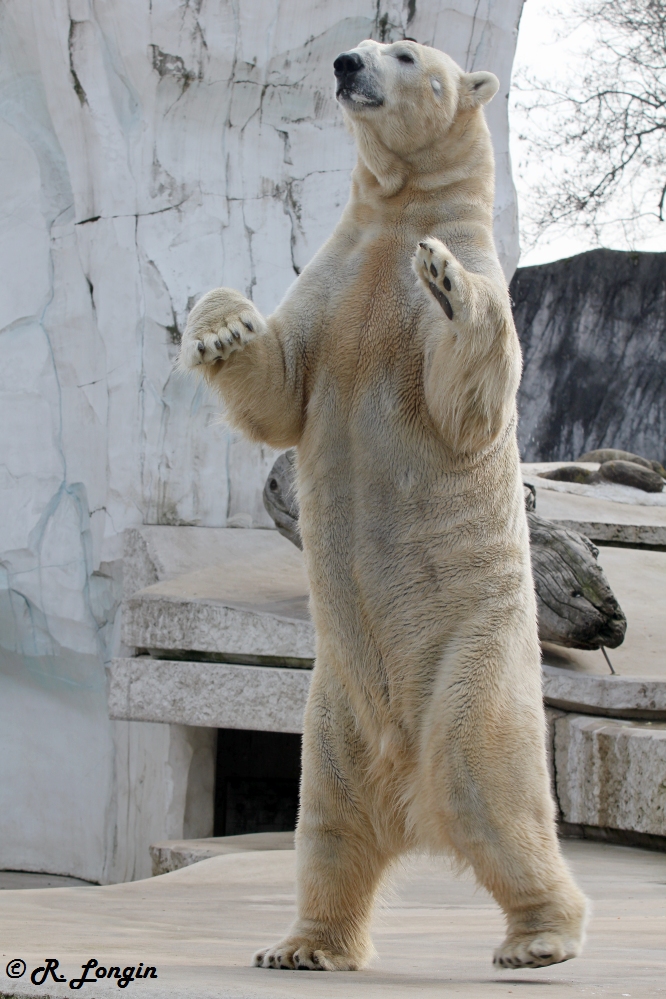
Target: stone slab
<point>610,773</point>
<point>252,600</point>
<point>610,696</point>
<point>174,854</point>
<point>225,695</point>
<point>155,553</point>
<point>434,933</point>
<point>212,695</point>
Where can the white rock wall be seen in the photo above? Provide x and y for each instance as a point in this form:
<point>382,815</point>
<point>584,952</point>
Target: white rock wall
<point>149,150</point>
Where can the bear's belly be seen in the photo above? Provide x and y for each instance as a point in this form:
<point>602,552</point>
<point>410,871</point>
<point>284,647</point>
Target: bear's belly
<point>402,549</point>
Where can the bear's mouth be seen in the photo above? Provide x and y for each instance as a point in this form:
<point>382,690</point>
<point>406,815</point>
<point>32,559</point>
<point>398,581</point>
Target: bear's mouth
<point>356,96</point>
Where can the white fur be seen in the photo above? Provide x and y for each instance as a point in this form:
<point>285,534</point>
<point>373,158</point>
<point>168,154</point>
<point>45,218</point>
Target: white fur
<point>425,727</point>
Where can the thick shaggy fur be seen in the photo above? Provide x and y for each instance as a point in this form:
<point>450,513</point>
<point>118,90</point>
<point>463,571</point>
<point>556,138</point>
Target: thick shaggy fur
<point>392,365</point>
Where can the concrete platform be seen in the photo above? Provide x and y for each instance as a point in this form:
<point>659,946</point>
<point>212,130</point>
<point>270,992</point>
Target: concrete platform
<point>434,934</point>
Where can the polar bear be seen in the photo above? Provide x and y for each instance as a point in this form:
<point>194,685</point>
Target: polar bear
<point>392,366</point>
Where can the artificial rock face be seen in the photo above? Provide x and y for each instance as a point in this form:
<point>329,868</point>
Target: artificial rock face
<point>150,151</point>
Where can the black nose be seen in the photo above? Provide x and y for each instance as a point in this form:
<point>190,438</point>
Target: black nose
<point>347,63</point>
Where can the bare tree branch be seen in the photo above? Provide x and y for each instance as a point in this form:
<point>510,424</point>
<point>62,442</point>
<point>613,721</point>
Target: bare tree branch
<point>601,139</point>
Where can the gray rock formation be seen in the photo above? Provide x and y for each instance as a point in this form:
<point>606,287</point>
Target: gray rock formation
<point>576,606</point>
<point>593,333</point>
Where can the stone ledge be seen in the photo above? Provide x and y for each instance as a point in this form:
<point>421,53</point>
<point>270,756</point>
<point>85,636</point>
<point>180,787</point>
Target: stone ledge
<point>212,695</point>
<point>601,519</point>
<point>630,535</point>
<point>154,621</point>
<point>174,854</point>
<point>609,696</point>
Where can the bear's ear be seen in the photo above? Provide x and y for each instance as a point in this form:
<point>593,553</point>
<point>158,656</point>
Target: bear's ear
<point>479,88</point>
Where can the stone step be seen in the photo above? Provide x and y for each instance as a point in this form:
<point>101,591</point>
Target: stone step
<point>251,605</point>
<point>611,774</point>
<point>609,696</point>
<point>250,602</point>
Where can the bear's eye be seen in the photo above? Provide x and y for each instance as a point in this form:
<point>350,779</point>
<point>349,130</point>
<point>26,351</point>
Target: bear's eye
<point>405,57</point>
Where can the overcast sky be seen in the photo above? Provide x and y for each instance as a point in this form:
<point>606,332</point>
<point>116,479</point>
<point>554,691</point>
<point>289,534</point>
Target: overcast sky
<point>542,53</point>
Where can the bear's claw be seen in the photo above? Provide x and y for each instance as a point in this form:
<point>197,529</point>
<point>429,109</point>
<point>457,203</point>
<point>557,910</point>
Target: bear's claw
<point>223,321</point>
<point>301,955</point>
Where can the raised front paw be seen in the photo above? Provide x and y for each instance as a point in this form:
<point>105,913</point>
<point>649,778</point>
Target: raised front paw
<point>222,322</point>
<point>437,268</point>
<point>302,954</point>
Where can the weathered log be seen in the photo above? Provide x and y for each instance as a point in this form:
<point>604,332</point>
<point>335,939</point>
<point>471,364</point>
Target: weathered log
<point>627,473</point>
<point>575,605</point>
<point>571,473</point>
<point>280,497</point>
<point>613,454</point>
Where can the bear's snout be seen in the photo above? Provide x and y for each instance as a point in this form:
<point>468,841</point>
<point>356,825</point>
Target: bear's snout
<point>347,64</point>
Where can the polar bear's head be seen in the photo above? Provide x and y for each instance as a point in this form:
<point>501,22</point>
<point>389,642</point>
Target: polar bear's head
<point>408,105</point>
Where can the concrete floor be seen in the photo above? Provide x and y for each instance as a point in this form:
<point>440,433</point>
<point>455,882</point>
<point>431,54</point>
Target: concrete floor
<point>434,933</point>
<point>13,880</point>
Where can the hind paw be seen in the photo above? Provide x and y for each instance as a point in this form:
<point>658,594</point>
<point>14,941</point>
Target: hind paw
<point>299,954</point>
<point>536,951</point>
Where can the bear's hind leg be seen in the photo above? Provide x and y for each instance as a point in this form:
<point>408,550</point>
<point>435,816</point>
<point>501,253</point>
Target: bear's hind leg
<point>487,793</point>
<point>545,910</point>
<point>337,879</point>
<point>340,861</point>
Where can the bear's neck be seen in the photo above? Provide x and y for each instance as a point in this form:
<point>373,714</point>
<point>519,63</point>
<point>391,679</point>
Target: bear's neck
<point>461,159</point>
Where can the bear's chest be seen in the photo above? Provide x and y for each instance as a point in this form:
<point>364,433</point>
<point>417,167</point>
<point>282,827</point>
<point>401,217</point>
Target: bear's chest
<point>370,354</point>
